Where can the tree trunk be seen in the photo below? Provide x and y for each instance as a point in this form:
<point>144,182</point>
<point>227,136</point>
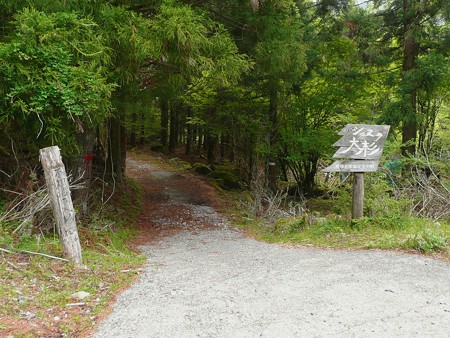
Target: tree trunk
<point>117,140</point>
<point>164,121</point>
<point>82,167</point>
<point>222,147</point>
<point>189,135</point>
<point>116,148</point>
<point>173,136</point>
<point>142,129</point>
<point>411,50</point>
<point>133,130</point>
<point>123,148</point>
<point>212,141</point>
<point>272,135</point>
<point>200,139</point>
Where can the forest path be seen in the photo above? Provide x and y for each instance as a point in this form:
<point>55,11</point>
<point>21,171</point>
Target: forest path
<point>205,279</point>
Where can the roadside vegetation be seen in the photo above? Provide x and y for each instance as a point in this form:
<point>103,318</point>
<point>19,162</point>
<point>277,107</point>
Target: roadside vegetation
<point>411,215</point>
<point>44,296</point>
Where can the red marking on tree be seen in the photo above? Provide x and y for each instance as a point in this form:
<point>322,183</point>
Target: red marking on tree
<point>351,25</point>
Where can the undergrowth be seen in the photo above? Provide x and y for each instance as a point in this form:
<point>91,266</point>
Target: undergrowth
<point>326,222</point>
<point>37,292</point>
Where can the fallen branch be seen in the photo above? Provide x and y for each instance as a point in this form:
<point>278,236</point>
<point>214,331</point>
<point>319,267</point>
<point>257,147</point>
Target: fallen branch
<point>7,251</point>
<point>75,304</point>
<point>13,265</point>
<point>44,255</point>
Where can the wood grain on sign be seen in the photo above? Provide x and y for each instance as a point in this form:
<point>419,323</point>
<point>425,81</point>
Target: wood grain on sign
<point>353,128</point>
<point>360,141</point>
<point>352,166</point>
<point>365,152</point>
<point>372,134</point>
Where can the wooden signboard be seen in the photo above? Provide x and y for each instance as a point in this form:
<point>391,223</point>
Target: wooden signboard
<point>355,166</point>
<point>359,142</point>
<point>363,145</point>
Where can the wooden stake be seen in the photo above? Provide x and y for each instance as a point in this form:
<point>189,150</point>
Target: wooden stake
<point>61,201</point>
<point>358,195</point>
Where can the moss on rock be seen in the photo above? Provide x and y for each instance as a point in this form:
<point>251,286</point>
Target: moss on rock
<point>225,179</point>
<point>201,169</point>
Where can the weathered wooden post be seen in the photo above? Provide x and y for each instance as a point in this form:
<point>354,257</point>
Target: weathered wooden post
<point>358,196</point>
<point>61,202</point>
<point>363,144</point>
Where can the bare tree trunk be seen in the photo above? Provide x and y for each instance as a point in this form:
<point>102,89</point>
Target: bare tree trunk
<point>142,129</point>
<point>61,201</point>
<point>173,136</point>
<point>133,130</point>
<point>164,121</point>
<point>116,156</point>
<point>411,50</point>
<point>273,136</point>
<point>189,135</point>
<point>200,139</point>
<point>211,144</point>
<point>82,167</point>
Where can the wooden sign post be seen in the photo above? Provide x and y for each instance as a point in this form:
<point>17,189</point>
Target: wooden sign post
<point>363,145</point>
<point>61,201</point>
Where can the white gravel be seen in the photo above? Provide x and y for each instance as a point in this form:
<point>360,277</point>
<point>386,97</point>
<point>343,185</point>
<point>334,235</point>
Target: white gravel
<point>219,283</point>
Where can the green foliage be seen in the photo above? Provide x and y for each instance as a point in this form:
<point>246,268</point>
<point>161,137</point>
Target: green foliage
<point>6,240</point>
<point>427,240</point>
<point>53,76</point>
<point>280,51</point>
<point>131,40</point>
<point>291,225</point>
<point>192,47</point>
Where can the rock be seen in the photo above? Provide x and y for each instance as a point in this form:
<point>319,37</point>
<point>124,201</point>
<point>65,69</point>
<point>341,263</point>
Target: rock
<point>80,295</point>
<point>201,168</point>
<point>27,314</point>
<point>225,179</point>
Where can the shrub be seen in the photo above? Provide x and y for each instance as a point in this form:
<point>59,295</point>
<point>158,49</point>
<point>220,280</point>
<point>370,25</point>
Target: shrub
<point>426,241</point>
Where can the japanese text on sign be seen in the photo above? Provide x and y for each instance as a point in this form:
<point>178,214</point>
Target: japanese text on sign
<point>361,142</point>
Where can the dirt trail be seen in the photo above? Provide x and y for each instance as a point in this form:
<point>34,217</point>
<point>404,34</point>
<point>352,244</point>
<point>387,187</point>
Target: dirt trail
<point>172,202</point>
<point>206,279</point>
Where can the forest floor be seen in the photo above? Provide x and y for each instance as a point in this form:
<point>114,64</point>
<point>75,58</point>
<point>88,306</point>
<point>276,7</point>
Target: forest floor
<point>204,278</point>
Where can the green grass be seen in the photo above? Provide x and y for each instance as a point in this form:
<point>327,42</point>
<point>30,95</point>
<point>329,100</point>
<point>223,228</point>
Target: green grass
<point>44,286</point>
<point>327,224</point>
<point>421,235</point>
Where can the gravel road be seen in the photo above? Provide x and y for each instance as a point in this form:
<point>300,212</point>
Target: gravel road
<point>216,282</point>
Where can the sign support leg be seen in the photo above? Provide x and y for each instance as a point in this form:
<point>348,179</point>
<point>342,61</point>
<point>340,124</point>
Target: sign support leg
<point>358,195</point>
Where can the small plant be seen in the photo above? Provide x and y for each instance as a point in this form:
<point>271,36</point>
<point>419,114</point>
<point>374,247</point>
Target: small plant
<point>332,226</point>
<point>426,241</point>
<point>291,225</point>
